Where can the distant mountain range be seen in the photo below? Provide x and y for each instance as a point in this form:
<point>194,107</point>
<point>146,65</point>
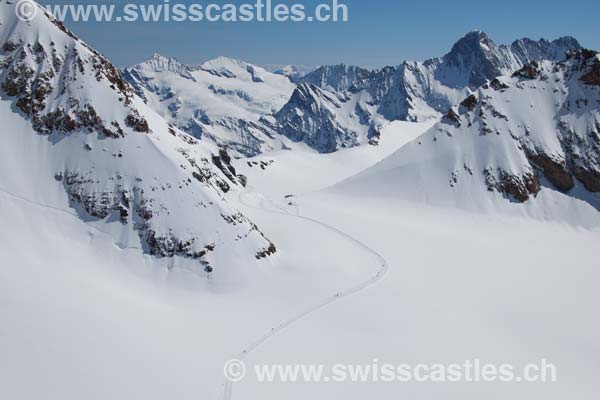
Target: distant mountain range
<point>246,108</point>
<point>414,90</point>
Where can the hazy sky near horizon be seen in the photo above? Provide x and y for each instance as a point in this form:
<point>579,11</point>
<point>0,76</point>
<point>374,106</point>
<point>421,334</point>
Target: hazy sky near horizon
<point>380,32</point>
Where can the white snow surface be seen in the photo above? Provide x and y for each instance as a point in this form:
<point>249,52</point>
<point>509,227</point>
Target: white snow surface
<point>87,315</point>
<point>221,100</point>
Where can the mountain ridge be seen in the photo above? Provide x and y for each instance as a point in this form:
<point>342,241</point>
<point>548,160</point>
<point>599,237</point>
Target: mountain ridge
<point>411,91</point>
<point>415,91</point>
<point>86,142</point>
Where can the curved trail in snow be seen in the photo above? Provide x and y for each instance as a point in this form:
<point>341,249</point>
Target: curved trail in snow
<point>382,270</point>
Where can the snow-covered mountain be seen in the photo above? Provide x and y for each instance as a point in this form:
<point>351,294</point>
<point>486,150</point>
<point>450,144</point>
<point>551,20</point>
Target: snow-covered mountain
<point>413,91</point>
<point>531,138</point>
<point>247,108</point>
<point>222,100</point>
<point>472,61</point>
<point>476,59</point>
<point>77,137</point>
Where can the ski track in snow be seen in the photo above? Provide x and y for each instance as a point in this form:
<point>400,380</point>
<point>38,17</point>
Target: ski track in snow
<point>228,385</point>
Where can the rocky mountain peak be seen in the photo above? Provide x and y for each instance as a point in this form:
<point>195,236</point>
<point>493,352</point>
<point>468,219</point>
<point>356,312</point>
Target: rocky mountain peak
<point>112,159</point>
<point>340,77</point>
<point>472,43</point>
<point>526,50</point>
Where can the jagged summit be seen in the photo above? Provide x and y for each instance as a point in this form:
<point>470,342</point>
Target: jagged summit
<point>471,43</point>
<point>324,120</point>
<point>527,50</point>
<point>473,60</point>
<point>472,39</point>
<point>339,77</point>
<point>476,59</point>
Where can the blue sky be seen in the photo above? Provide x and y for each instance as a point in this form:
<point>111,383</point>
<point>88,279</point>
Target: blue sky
<point>380,32</point>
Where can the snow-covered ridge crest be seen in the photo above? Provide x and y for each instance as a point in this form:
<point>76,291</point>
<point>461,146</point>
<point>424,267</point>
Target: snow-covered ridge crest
<point>159,63</point>
<point>339,77</point>
<point>222,101</point>
<point>77,135</point>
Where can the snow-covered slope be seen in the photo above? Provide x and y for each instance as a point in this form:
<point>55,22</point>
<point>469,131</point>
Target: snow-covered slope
<point>304,170</point>
<point>222,100</point>
<point>532,138</point>
<point>76,135</point>
<point>413,91</point>
<point>294,72</point>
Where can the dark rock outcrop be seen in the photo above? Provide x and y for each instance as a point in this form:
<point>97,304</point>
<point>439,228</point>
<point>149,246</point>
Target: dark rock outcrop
<point>555,171</point>
<point>519,188</point>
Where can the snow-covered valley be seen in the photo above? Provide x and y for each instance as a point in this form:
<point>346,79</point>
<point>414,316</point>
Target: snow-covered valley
<point>458,286</point>
<point>160,220</point>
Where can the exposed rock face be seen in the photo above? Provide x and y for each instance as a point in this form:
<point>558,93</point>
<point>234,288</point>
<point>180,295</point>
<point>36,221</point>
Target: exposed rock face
<point>556,171</point>
<point>589,177</point>
<point>137,123</point>
<point>339,78</point>
<point>529,71</point>
<point>517,187</point>
<point>35,72</point>
<point>592,77</point>
<point>452,117</point>
<point>223,162</point>
<point>527,50</point>
<point>469,103</point>
<point>473,60</point>
<point>266,252</point>
<point>497,85</point>
<point>311,116</point>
